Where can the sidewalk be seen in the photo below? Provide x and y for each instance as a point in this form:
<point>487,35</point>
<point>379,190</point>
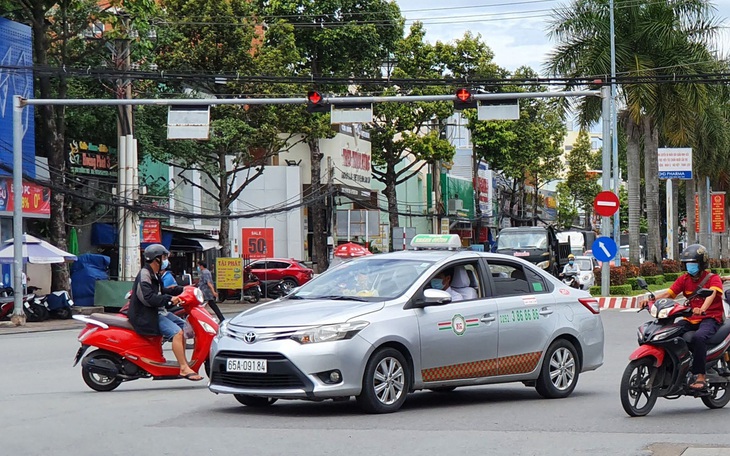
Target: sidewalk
<point>229,309</point>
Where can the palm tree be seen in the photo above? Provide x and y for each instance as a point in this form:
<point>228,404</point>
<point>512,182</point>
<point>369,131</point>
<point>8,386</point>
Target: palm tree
<point>652,40</point>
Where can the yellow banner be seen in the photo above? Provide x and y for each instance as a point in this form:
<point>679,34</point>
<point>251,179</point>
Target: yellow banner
<point>229,273</point>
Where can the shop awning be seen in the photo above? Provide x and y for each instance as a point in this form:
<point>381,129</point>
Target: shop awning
<point>206,244</point>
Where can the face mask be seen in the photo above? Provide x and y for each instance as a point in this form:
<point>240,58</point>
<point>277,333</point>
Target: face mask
<point>570,263</point>
<point>437,284</point>
<point>693,268</point>
<point>165,264</point>
<point>198,268</point>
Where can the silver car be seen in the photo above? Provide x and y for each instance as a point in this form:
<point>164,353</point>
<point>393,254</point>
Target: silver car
<point>378,328</point>
<point>586,278</point>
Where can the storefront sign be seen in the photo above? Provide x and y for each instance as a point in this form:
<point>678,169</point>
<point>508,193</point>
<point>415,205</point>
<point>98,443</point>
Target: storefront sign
<point>718,212</point>
<point>349,154</point>
<point>151,231</point>
<point>484,187</point>
<point>697,213</point>
<point>257,242</point>
<point>229,273</point>
<point>36,199</point>
<point>90,159</point>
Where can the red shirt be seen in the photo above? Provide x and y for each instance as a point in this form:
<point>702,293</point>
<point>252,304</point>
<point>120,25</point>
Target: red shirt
<point>687,284</point>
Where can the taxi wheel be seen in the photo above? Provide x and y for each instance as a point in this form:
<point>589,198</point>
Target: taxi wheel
<point>385,383</point>
<point>559,371</point>
<point>254,401</point>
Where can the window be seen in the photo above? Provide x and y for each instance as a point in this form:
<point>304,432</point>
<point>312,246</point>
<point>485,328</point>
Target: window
<point>512,279</point>
<point>464,280</point>
<point>276,265</point>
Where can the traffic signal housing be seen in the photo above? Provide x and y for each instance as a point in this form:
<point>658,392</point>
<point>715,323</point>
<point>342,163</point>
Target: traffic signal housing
<point>464,99</point>
<point>315,102</point>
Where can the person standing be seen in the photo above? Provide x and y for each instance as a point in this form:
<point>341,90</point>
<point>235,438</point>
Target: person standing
<point>205,284</point>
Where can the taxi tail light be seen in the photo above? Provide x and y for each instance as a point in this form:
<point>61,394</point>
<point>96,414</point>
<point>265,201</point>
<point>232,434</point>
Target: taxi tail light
<point>591,304</point>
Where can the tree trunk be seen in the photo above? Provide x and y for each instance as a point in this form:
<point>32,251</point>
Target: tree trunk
<point>689,201</point>
<point>317,208</point>
<point>51,130</point>
<point>224,233</point>
<point>390,195</point>
<point>633,161</point>
<point>651,178</point>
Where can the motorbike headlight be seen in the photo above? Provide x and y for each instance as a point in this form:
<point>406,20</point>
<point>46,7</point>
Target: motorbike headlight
<point>653,311</point>
<point>199,295</point>
<point>544,264</point>
<point>664,313</point>
<point>329,333</point>
<point>640,334</point>
<point>586,278</point>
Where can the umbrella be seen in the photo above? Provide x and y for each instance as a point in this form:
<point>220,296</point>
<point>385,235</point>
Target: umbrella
<point>73,242</point>
<point>351,250</point>
<point>35,251</point>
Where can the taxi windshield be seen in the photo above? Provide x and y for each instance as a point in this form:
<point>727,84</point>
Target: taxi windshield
<point>364,279</point>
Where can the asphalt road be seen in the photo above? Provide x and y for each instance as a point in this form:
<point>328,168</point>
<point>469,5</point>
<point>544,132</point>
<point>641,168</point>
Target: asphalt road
<point>45,408</point>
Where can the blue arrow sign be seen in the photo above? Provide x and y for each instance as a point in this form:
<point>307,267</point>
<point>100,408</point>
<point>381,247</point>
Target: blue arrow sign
<point>604,248</point>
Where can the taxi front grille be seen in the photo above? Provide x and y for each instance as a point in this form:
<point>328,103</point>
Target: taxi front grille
<point>263,381</point>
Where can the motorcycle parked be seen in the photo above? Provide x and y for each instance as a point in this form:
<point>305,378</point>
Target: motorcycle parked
<point>660,367</point>
<point>251,291</point>
<point>274,289</point>
<point>123,355</point>
<point>34,311</point>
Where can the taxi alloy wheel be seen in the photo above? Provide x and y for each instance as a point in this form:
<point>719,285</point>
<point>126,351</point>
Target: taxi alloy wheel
<point>559,371</point>
<point>386,382</point>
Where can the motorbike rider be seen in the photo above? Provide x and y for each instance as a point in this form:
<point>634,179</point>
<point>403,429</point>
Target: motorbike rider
<point>147,307</point>
<point>571,266</point>
<point>707,314</point>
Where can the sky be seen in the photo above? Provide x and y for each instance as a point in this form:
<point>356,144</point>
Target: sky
<point>515,30</point>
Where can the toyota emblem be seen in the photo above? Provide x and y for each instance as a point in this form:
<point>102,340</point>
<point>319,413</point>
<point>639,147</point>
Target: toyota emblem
<point>249,337</point>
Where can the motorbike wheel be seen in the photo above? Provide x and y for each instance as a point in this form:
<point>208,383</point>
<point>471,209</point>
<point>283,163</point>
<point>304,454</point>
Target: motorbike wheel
<point>64,313</point>
<point>718,398</point>
<point>36,312</point>
<point>254,297</point>
<point>99,382</point>
<point>559,371</point>
<point>254,401</point>
<point>634,387</point>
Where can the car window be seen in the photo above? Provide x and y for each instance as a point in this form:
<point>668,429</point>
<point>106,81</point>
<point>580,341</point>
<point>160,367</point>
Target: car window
<point>302,265</point>
<point>464,280</point>
<point>258,265</point>
<point>366,278</point>
<point>511,279</point>
<point>584,264</point>
<point>277,265</point>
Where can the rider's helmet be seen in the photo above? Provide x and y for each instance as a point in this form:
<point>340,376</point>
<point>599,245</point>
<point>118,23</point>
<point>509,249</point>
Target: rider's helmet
<point>695,253</point>
<point>154,251</point>
<point>571,257</point>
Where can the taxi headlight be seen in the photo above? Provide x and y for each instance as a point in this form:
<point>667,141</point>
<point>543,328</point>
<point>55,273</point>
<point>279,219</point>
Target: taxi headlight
<point>544,264</point>
<point>223,329</point>
<point>329,333</point>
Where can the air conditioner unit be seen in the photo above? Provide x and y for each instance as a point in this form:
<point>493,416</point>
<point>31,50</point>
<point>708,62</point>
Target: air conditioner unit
<point>455,205</point>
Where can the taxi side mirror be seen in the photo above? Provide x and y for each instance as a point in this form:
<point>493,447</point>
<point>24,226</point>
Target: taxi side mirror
<point>432,297</point>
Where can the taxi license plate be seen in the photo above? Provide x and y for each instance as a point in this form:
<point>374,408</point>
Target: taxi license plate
<point>246,365</point>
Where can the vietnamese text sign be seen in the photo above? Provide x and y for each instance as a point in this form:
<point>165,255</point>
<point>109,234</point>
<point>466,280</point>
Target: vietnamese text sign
<point>675,163</point>
<point>257,242</point>
<point>151,231</point>
<point>229,273</point>
<point>88,158</point>
<point>36,199</point>
<point>697,213</point>
<point>718,212</point>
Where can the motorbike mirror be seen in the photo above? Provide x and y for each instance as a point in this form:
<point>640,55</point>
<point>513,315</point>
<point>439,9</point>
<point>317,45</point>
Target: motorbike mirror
<point>642,283</point>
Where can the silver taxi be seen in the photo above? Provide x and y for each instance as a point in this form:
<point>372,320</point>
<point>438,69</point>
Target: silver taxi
<point>379,327</point>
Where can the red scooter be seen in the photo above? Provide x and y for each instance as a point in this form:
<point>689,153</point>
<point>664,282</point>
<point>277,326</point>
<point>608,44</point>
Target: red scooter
<point>122,355</point>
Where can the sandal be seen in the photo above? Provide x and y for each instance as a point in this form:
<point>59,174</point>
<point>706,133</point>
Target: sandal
<point>698,385</point>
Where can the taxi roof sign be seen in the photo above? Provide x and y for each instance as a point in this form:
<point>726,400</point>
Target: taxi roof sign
<point>436,241</point>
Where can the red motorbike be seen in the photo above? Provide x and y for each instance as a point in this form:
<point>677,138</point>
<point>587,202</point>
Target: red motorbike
<point>122,355</point>
<point>660,367</point>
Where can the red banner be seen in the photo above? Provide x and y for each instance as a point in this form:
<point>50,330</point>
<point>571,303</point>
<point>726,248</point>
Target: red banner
<point>257,242</point>
<point>36,199</point>
<point>697,213</point>
<point>151,231</point>
<point>718,212</point>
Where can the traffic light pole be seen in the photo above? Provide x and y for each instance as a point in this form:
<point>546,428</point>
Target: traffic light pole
<point>19,103</point>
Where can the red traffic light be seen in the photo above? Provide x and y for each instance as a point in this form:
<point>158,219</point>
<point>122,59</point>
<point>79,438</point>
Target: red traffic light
<point>314,97</point>
<point>463,95</point>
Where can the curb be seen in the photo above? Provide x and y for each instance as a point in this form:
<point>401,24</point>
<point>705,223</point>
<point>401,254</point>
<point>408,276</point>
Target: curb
<point>625,302</point>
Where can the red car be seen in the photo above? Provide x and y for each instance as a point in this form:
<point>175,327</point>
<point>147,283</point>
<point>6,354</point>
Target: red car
<point>294,273</point>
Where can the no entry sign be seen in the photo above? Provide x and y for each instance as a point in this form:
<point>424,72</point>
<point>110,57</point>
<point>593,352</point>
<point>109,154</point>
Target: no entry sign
<point>606,204</point>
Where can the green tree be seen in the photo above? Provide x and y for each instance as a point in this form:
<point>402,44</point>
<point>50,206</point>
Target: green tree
<point>582,186</point>
<point>335,38</point>
<point>653,39</point>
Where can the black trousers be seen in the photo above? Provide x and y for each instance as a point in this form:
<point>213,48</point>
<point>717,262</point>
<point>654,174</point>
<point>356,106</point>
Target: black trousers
<point>213,305</point>
<point>705,330</point>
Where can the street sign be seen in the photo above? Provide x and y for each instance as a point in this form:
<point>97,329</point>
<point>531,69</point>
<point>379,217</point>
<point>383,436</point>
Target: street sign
<point>606,204</point>
<point>675,163</point>
<point>604,248</point>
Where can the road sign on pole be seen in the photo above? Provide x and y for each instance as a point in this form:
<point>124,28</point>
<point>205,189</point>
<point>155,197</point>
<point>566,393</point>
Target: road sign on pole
<point>604,249</point>
<point>606,203</point>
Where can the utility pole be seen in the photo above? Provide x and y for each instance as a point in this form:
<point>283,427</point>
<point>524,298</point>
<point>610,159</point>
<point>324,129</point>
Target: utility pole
<point>614,136</point>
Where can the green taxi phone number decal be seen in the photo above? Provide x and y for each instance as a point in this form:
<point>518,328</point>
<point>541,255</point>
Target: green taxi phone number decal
<point>520,315</point>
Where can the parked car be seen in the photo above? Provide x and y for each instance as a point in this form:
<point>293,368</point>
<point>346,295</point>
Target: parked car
<point>379,327</point>
<point>586,264</point>
<point>294,273</point>
<point>624,249</point>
